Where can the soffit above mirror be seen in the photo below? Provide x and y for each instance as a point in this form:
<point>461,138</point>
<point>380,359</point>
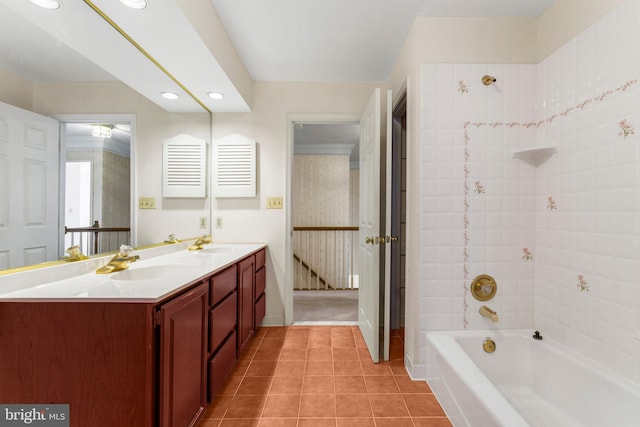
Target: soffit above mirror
<point>88,48</point>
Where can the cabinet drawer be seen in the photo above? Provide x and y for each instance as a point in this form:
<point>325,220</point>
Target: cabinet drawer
<point>261,282</point>
<point>222,320</point>
<point>261,258</point>
<point>260,308</point>
<point>221,365</point>
<point>222,284</point>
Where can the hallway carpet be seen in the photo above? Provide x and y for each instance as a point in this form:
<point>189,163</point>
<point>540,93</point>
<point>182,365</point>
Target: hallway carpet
<point>337,306</point>
<point>321,376</point>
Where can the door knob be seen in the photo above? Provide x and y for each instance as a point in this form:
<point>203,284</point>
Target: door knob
<point>369,240</point>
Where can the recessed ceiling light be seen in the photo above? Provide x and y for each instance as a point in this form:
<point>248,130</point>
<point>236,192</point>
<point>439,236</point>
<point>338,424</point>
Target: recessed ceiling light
<point>134,4</point>
<point>47,4</point>
<point>170,95</point>
<point>215,95</point>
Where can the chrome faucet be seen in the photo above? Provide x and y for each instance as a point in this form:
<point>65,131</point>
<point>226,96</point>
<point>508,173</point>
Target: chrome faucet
<point>488,313</point>
<point>120,261</point>
<point>199,244</point>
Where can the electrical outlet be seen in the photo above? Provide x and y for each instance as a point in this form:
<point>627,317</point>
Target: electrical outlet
<point>203,222</point>
<point>274,203</point>
<point>146,203</point>
<point>218,222</point>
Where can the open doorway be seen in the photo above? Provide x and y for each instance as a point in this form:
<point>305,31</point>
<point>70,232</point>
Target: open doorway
<point>96,181</point>
<point>325,209</point>
<point>398,216</point>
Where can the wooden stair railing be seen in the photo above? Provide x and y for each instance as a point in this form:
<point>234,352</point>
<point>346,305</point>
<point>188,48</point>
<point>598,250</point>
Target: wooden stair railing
<point>312,271</point>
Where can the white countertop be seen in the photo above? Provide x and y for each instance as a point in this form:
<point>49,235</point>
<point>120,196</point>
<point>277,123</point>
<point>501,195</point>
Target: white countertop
<point>146,280</point>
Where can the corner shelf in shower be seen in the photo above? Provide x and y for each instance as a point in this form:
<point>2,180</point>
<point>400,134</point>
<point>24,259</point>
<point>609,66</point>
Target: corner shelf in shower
<point>535,156</point>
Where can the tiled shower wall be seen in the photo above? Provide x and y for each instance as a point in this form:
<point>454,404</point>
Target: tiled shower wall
<point>587,253</point>
<point>478,203</point>
<point>561,239</point>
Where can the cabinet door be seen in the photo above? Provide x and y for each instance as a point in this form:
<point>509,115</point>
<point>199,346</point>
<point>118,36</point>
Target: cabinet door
<point>246,273</point>
<point>222,284</point>
<point>261,283</point>
<point>183,352</point>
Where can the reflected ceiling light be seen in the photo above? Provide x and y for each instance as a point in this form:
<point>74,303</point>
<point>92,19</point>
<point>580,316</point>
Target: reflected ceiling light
<point>169,95</point>
<point>215,95</point>
<point>47,4</point>
<point>101,131</point>
<point>134,4</point>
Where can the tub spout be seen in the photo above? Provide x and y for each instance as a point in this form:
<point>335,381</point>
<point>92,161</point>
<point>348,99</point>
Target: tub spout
<point>488,313</point>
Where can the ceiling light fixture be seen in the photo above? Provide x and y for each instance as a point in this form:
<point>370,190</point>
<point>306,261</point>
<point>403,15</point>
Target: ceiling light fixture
<point>101,131</point>
<point>169,95</point>
<point>47,4</point>
<point>215,95</point>
<point>134,4</point>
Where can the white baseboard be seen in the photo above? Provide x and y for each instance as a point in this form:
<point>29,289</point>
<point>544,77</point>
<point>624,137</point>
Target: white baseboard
<point>416,372</point>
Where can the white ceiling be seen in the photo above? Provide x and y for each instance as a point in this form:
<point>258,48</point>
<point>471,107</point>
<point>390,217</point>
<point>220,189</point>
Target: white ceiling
<point>339,40</point>
<point>278,40</point>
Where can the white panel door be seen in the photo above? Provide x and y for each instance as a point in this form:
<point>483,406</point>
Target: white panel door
<point>29,187</point>
<point>369,281</point>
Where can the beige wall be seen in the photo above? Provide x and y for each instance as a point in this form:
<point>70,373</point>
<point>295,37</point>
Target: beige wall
<point>153,125</point>
<point>248,220</point>
<point>565,19</point>
<point>15,90</point>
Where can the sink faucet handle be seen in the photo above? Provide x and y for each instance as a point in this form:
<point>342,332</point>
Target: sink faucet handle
<point>125,250</point>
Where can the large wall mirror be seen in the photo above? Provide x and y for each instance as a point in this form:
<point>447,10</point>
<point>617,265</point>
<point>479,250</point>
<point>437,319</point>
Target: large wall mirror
<point>96,171</point>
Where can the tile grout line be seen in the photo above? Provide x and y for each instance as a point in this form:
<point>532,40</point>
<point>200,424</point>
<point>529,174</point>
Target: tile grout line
<point>339,340</point>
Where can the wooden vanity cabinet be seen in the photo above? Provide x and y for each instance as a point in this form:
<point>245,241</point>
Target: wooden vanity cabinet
<point>222,328</point>
<point>132,363</point>
<point>183,357</point>
<point>251,296</point>
<point>246,280</point>
<point>260,285</point>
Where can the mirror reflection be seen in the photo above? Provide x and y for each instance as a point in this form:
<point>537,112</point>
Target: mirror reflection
<point>55,94</point>
<point>97,171</point>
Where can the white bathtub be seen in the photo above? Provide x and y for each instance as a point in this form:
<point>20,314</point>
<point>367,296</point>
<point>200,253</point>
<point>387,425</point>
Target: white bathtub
<point>525,382</point>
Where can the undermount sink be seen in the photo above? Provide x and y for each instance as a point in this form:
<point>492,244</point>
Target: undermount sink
<point>151,272</point>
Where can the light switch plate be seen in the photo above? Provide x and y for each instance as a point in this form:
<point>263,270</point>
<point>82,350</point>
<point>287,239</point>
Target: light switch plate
<point>147,203</point>
<point>274,203</point>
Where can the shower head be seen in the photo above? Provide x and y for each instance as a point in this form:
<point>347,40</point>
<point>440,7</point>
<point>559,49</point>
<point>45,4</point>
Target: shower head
<point>488,80</point>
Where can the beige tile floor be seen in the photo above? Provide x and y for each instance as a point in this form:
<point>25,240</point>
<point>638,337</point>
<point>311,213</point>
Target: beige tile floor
<point>317,376</point>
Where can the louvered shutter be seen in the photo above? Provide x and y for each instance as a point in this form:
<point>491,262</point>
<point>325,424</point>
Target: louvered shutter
<point>184,169</point>
<point>234,167</point>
